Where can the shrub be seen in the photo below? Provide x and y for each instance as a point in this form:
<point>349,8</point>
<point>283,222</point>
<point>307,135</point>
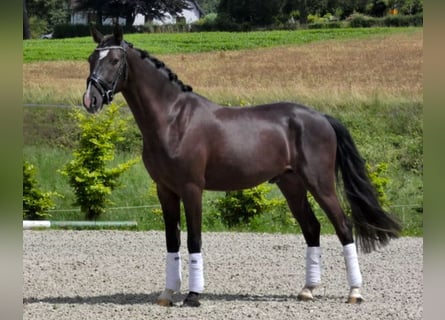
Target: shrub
<point>361,21</point>
<point>36,203</point>
<point>207,23</point>
<point>88,174</point>
<point>325,25</point>
<point>165,28</point>
<point>224,22</point>
<point>403,20</point>
<point>379,179</point>
<point>358,20</point>
<point>238,207</point>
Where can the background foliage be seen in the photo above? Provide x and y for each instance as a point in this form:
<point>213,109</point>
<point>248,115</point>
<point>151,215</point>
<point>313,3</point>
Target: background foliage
<point>36,203</point>
<point>42,16</point>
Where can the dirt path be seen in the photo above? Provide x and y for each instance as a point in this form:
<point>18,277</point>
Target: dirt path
<point>118,275</point>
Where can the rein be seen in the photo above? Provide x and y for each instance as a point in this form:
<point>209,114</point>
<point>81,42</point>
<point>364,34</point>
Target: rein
<point>106,90</point>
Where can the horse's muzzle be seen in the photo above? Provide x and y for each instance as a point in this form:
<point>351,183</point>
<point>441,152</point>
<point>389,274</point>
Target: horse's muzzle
<point>92,99</point>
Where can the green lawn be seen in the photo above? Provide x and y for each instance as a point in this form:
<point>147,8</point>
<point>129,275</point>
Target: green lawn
<point>175,43</point>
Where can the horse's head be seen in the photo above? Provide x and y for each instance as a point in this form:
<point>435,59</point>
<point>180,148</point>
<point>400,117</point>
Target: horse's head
<point>108,69</point>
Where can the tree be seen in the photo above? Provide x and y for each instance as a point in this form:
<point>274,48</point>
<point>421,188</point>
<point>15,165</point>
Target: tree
<point>209,6</point>
<point>40,16</point>
<point>97,6</point>
<point>407,6</point>
<point>52,11</point>
<point>302,6</point>
<point>26,29</point>
<point>252,12</point>
<point>378,8</point>
<point>128,9</point>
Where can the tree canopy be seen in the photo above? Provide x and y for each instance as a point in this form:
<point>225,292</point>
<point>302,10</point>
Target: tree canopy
<point>128,9</point>
<point>264,12</point>
<point>40,16</point>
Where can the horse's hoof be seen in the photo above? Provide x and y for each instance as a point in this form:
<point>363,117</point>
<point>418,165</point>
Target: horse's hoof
<point>164,302</point>
<point>355,297</point>
<point>166,298</point>
<point>306,294</point>
<point>192,300</point>
<point>355,300</point>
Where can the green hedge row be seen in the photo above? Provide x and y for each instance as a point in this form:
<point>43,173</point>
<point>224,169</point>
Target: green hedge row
<point>363,21</point>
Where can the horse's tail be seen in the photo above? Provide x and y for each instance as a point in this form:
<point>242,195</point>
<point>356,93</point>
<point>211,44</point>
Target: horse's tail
<point>373,226</point>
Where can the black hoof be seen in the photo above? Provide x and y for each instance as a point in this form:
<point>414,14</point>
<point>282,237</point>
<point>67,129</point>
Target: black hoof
<point>192,300</point>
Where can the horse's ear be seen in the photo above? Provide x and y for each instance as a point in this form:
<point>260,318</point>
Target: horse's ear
<point>97,36</point>
<point>118,33</point>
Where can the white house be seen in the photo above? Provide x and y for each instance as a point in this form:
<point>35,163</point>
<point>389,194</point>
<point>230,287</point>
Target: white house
<point>190,15</point>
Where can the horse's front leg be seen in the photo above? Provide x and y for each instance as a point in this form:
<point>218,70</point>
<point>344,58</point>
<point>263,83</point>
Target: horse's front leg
<point>192,198</point>
<point>170,204</point>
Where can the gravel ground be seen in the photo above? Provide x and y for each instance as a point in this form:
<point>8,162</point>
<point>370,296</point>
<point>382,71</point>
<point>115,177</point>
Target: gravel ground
<point>119,274</point>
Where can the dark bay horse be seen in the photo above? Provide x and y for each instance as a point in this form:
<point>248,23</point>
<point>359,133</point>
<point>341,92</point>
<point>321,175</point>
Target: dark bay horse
<point>191,144</point>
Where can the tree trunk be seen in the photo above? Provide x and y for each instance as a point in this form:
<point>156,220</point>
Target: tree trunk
<point>26,30</point>
<point>99,18</point>
<point>129,19</point>
<point>303,12</point>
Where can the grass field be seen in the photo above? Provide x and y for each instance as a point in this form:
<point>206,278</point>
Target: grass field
<point>371,80</point>
<point>173,43</point>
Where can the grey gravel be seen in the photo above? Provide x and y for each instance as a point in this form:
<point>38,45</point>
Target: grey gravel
<point>119,274</point>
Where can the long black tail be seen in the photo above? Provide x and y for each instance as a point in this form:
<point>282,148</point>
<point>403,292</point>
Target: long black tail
<point>373,226</point>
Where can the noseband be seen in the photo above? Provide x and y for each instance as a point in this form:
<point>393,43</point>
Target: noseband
<point>105,89</point>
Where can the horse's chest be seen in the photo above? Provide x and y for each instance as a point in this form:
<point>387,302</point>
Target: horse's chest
<point>164,170</point>
<point>156,167</point>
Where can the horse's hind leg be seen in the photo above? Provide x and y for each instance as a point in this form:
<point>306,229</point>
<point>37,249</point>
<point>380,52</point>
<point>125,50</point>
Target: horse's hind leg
<point>321,183</point>
<point>295,193</point>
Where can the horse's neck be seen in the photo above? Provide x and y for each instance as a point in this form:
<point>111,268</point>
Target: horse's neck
<point>149,94</point>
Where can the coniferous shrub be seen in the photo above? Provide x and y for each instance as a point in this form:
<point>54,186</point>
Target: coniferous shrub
<point>88,173</point>
<point>36,202</point>
<point>238,207</point>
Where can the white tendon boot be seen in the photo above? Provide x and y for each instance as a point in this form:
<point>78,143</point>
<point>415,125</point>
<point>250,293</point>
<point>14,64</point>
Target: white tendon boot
<point>313,273</point>
<point>196,273</point>
<point>196,280</point>
<point>173,278</point>
<point>353,273</point>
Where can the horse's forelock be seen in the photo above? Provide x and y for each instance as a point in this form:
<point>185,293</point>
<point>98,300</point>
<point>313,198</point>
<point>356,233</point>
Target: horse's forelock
<point>107,41</point>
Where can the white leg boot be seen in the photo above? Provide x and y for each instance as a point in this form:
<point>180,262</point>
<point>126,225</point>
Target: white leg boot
<point>313,273</point>
<point>173,279</point>
<point>196,273</point>
<point>196,280</point>
<point>353,273</point>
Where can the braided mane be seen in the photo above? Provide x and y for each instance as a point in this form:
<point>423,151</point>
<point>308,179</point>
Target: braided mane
<point>161,66</point>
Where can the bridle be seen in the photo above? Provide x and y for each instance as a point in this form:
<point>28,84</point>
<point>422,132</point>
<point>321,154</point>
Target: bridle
<point>105,89</point>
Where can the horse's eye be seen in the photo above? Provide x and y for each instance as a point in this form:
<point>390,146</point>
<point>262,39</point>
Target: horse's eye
<point>114,62</point>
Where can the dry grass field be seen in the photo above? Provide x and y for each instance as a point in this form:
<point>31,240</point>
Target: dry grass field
<point>323,73</point>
